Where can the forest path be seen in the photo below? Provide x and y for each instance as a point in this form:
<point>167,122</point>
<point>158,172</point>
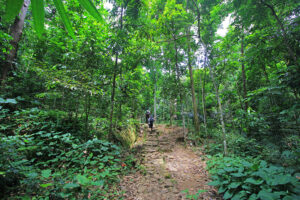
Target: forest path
<point>168,168</point>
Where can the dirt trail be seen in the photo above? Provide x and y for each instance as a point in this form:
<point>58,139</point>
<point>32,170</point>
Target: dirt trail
<point>168,168</point>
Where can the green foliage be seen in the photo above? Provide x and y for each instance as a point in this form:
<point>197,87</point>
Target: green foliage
<point>12,9</point>
<point>62,93</point>
<point>246,178</point>
<point>38,14</point>
<point>39,156</point>
<point>59,163</point>
<point>89,6</point>
<point>62,12</point>
<point>238,145</point>
<point>193,196</point>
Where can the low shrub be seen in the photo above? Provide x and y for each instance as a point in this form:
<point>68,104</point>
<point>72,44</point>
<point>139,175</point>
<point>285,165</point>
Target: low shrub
<point>248,178</point>
<point>39,159</point>
<point>59,166</point>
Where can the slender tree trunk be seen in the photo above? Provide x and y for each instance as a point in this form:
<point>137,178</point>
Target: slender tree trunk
<point>16,33</point>
<point>154,98</point>
<point>87,111</point>
<point>113,97</point>
<point>244,76</point>
<point>220,108</point>
<point>196,119</point>
<point>203,95</point>
<point>183,120</point>
<point>171,112</point>
<point>111,136</point>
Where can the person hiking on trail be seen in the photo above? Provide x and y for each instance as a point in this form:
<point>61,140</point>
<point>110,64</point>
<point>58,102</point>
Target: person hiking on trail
<point>147,116</point>
<point>151,121</point>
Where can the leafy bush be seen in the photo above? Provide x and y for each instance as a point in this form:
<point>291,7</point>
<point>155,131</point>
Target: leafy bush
<point>59,163</point>
<point>243,146</point>
<point>237,144</point>
<point>44,161</point>
<point>246,178</point>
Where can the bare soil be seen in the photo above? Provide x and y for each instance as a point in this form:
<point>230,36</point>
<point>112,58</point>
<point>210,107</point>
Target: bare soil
<point>167,168</point>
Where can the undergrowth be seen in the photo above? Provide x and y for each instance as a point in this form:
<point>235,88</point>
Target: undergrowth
<point>248,178</point>
<point>41,158</point>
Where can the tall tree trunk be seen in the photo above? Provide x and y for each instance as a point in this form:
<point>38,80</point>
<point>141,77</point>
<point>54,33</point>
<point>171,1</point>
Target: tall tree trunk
<point>87,112</point>
<point>244,76</point>
<point>113,97</point>
<point>154,91</point>
<point>16,33</point>
<point>171,112</point>
<point>154,98</point>
<point>203,95</point>
<point>205,62</point>
<point>220,107</point>
<point>196,119</point>
<point>111,136</point>
<point>183,121</point>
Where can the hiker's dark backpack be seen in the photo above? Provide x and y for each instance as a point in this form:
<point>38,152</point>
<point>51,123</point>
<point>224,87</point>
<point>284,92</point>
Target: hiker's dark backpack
<point>151,120</point>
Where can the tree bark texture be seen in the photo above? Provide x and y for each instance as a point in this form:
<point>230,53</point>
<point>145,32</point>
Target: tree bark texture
<point>203,95</point>
<point>244,76</point>
<point>115,73</point>
<point>220,108</point>
<point>196,119</point>
<point>16,31</point>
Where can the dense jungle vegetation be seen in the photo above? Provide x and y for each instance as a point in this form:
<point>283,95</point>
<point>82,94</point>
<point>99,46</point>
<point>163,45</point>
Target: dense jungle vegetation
<point>77,77</point>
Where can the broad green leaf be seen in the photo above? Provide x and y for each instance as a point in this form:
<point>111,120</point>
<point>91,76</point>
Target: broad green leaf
<point>26,198</point>
<point>266,195</point>
<point>46,185</point>
<point>214,183</point>
<point>38,14</point>
<point>13,101</point>
<point>98,183</point>
<point>89,6</point>
<point>262,174</point>
<point>227,195</point>
<point>71,185</point>
<point>253,197</point>
<point>239,195</point>
<point>201,191</point>
<point>46,173</point>
<point>281,180</point>
<point>238,174</point>
<point>234,185</point>
<point>12,9</point>
<point>62,12</point>
<point>263,164</point>
<point>229,169</point>
<point>83,180</point>
<point>246,164</point>
<point>32,175</point>
<point>253,181</point>
<point>291,197</point>
<point>222,189</point>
